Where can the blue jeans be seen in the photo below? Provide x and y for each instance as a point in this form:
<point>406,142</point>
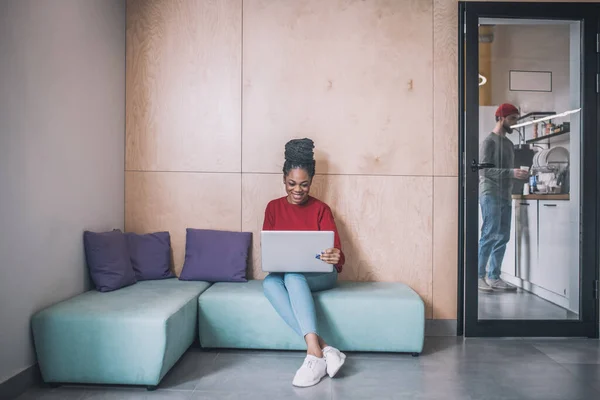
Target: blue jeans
<point>495,234</point>
<point>291,296</point>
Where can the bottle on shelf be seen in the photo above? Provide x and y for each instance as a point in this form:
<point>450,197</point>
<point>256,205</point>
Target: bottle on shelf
<point>532,181</point>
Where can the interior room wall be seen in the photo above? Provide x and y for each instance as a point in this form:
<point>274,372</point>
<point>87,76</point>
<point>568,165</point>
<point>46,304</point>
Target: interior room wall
<point>528,48</point>
<point>62,119</point>
<point>215,89</point>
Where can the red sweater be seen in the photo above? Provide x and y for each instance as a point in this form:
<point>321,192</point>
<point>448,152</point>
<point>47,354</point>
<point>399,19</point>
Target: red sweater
<point>313,215</point>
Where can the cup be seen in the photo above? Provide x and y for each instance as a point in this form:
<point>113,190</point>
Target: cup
<point>524,168</point>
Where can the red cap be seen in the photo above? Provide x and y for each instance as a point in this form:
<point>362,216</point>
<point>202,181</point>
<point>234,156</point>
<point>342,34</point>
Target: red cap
<point>505,110</point>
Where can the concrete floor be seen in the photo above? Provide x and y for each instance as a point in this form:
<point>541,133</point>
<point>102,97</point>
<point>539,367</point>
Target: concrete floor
<point>519,305</point>
<point>450,368</point>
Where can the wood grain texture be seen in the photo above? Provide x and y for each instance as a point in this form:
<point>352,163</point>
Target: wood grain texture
<point>183,85</point>
<point>385,223</point>
<point>257,191</point>
<point>355,76</point>
<point>445,88</point>
<point>174,201</point>
<point>445,247</point>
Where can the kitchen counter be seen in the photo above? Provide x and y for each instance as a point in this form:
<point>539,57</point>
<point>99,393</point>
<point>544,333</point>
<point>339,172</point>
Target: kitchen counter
<point>540,196</point>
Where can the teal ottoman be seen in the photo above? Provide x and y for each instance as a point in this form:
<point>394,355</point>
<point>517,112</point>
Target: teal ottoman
<point>354,316</point>
<point>131,336</point>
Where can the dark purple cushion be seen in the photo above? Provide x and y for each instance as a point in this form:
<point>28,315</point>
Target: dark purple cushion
<point>215,256</point>
<point>108,260</point>
<point>150,255</point>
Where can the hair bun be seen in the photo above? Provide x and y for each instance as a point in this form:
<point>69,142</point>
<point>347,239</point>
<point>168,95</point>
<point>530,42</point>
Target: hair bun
<point>299,151</point>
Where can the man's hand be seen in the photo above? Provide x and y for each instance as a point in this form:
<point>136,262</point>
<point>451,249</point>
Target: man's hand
<point>331,256</point>
<point>520,174</point>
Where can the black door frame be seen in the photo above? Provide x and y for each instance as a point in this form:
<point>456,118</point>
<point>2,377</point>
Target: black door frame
<point>587,325</point>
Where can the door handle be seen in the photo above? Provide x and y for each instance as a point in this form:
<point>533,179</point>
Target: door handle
<point>475,166</point>
<point>549,205</point>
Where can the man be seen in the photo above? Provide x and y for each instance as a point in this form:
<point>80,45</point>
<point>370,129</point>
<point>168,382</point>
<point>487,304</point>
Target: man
<point>495,187</point>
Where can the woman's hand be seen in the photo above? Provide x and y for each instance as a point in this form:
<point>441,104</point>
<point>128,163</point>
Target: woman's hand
<point>331,256</point>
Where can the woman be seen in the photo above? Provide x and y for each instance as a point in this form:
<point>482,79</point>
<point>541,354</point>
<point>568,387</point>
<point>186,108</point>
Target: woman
<point>290,293</point>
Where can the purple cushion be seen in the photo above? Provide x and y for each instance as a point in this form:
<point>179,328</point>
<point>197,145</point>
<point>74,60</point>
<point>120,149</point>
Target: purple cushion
<point>215,256</point>
<point>108,260</point>
<point>150,255</point>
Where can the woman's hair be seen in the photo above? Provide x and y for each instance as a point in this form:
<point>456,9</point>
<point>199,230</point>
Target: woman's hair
<point>299,154</point>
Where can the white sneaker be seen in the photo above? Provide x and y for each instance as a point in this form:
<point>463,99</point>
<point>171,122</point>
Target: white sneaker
<point>483,286</point>
<point>311,372</point>
<point>499,284</point>
<point>334,359</point>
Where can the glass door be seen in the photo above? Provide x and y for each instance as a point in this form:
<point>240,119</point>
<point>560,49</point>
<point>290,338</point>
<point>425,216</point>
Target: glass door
<point>530,150</point>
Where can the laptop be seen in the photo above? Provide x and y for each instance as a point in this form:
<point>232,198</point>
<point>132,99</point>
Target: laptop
<point>295,251</point>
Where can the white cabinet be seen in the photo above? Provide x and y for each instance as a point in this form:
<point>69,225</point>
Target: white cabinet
<point>509,261</point>
<point>538,258</point>
<point>526,232</point>
<point>542,256</point>
<point>553,247</point>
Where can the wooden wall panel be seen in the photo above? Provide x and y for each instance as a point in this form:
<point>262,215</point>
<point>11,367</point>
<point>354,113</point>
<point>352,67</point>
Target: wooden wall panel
<point>257,191</point>
<point>174,201</point>
<point>445,88</point>
<point>445,247</point>
<point>355,76</point>
<point>360,78</point>
<point>385,224</point>
<point>183,89</point>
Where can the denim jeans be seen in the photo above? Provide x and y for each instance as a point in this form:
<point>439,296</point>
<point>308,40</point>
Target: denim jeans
<point>495,234</point>
<point>291,296</point>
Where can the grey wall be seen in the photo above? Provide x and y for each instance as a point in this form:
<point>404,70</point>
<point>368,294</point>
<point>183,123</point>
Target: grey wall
<point>527,48</point>
<point>62,129</point>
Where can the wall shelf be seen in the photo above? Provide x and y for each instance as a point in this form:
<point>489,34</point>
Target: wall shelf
<point>537,114</point>
<point>546,137</point>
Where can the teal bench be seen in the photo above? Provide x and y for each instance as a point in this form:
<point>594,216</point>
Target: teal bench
<point>134,335</point>
<point>354,316</point>
<point>131,336</point>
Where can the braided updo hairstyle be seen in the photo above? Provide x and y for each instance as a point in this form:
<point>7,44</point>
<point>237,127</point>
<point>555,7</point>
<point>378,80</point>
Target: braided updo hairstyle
<point>299,154</point>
